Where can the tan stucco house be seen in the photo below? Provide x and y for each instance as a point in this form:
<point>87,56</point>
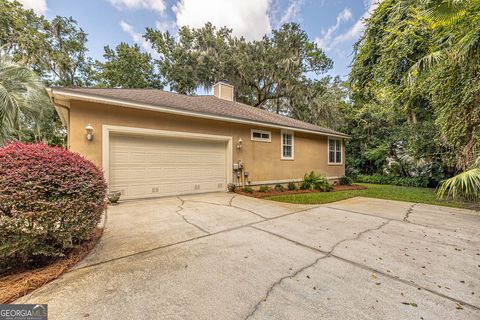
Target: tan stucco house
<point>154,143</point>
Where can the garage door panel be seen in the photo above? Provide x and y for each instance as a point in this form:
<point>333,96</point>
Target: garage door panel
<point>143,166</point>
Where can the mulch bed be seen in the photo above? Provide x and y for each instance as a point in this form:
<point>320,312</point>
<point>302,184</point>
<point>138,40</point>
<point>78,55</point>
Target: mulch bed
<point>258,194</point>
<point>18,284</point>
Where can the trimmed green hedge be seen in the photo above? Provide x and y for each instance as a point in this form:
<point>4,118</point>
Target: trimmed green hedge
<point>393,180</point>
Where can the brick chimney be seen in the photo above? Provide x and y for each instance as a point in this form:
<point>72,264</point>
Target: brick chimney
<point>223,90</point>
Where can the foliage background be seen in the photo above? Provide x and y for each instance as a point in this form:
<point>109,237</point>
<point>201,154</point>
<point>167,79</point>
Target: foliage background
<point>411,103</point>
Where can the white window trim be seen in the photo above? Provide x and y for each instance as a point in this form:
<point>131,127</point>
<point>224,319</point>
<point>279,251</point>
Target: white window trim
<point>341,152</point>
<point>260,139</point>
<point>282,132</point>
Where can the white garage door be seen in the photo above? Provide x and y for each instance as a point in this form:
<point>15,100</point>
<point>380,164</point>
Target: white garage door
<point>145,166</point>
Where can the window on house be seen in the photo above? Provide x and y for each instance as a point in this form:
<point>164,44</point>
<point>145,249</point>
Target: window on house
<point>335,151</point>
<point>259,135</point>
<point>287,145</point>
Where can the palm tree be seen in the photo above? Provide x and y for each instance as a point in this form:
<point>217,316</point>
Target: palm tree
<point>23,99</point>
<point>465,186</point>
<point>457,22</point>
<point>463,44</point>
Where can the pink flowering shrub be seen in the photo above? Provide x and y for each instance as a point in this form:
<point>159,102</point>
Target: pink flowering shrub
<point>50,200</point>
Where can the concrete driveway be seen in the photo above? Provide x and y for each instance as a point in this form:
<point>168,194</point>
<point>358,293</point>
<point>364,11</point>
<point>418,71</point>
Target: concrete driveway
<point>223,256</point>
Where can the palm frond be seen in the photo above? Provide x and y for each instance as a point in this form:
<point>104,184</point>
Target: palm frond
<point>468,45</point>
<point>22,96</point>
<point>444,12</point>
<point>425,63</point>
<point>465,185</point>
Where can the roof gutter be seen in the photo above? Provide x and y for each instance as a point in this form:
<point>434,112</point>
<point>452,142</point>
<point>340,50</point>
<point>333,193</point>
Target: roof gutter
<point>145,106</point>
<point>61,109</point>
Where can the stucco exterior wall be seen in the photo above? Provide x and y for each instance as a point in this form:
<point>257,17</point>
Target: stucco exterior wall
<point>261,159</point>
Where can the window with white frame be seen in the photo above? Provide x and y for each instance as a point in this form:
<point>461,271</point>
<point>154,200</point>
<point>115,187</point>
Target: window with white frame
<point>260,135</point>
<point>287,145</point>
<point>334,151</point>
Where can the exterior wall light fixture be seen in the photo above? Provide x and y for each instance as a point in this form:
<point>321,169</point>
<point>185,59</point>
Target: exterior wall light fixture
<point>89,131</point>
<point>239,143</point>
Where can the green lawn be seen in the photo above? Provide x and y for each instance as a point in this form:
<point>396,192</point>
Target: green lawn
<point>409,194</point>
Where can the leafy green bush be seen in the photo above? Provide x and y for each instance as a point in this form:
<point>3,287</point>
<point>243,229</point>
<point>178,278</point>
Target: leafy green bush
<point>394,180</point>
<point>292,186</point>
<point>345,181</point>
<point>313,181</point>
<point>264,189</point>
<point>279,188</point>
<point>51,199</point>
<point>351,171</point>
<point>247,189</point>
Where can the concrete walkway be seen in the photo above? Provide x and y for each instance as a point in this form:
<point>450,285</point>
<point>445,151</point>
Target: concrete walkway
<point>223,256</point>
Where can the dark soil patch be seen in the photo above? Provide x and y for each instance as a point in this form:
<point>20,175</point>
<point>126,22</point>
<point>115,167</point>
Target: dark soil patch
<point>21,282</point>
<point>259,194</point>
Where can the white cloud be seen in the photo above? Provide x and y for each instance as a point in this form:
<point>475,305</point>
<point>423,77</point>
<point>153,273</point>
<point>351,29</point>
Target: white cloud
<point>293,11</point>
<point>354,32</point>
<point>138,38</point>
<point>357,29</point>
<point>325,41</point>
<point>39,6</point>
<point>248,18</point>
<point>166,25</point>
<point>154,5</point>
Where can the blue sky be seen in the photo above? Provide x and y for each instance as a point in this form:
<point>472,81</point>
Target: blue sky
<point>334,24</point>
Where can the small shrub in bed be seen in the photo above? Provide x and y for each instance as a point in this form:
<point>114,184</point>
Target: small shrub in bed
<point>313,181</point>
<point>247,189</point>
<point>279,188</point>
<point>50,200</point>
<point>264,189</point>
<point>345,181</point>
<point>292,186</point>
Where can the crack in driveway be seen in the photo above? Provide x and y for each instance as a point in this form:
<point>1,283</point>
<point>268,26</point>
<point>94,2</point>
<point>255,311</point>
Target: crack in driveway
<point>278,282</point>
<point>392,219</point>
<point>327,255</point>
<point>330,253</point>
<point>229,205</point>
<point>409,211</point>
<point>231,199</point>
<point>178,212</point>
<point>186,240</point>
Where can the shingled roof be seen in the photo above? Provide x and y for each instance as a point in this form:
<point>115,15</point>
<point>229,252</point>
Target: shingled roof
<point>202,105</point>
